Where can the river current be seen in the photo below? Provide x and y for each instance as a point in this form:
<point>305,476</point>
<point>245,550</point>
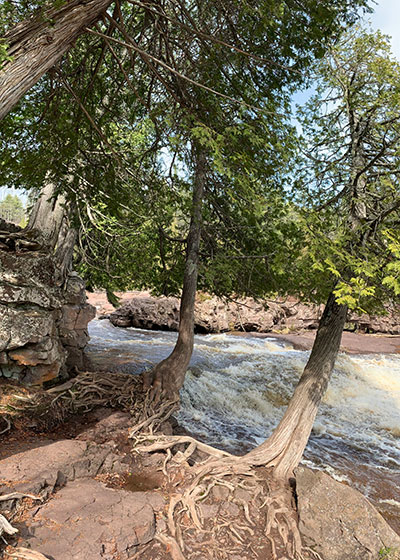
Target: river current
<point>238,386</point>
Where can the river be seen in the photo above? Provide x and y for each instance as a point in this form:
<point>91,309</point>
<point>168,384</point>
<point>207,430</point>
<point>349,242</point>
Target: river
<point>237,389</point>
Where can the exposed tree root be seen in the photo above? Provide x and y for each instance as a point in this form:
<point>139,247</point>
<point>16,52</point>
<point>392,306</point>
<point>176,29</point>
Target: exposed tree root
<point>162,443</point>
<point>271,506</point>
<point>151,416</point>
<point>18,496</point>
<point>25,554</point>
<point>6,527</point>
<point>7,422</point>
<point>268,515</point>
<point>82,394</point>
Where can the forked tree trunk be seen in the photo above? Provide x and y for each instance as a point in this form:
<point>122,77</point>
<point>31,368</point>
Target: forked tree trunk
<point>169,375</point>
<point>36,44</point>
<point>284,449</point>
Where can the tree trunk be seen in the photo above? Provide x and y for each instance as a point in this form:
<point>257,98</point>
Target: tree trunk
<point>284,449</point>
<point>64,252</point>
<point>36,44</point>
<point>49,224</point>
<point>169,375</point>
<point>47,217</point>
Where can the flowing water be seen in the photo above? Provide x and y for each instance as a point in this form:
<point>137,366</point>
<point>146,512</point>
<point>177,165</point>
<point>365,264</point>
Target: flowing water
<point>237,389</point>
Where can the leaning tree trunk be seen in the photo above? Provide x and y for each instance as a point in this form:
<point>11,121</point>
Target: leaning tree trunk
<point>169,375</point>
<point>284,449</point>
<point>36,44</point>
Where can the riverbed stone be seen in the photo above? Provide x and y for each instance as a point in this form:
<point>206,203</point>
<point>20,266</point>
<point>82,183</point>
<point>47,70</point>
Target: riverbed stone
<point>338,522</point>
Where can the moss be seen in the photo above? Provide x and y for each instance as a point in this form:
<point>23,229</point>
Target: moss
<point>387,553</point>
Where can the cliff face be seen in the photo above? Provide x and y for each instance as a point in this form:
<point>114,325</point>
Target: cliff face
<point>214,315</point>
<point>43,326</point>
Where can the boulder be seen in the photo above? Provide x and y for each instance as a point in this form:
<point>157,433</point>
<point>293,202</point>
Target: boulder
<point>338,522</point>
<point>148,313</point>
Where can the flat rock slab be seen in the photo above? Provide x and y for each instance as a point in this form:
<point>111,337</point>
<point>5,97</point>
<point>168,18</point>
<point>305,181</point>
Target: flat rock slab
<point>338,522</point>
<point>42,469</point>
<point>87,521</point>
<point>107,428</point>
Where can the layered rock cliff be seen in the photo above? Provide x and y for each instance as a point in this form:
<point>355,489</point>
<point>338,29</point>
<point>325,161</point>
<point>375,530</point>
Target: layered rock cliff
<point>43,323</point>
<point>214,315</point>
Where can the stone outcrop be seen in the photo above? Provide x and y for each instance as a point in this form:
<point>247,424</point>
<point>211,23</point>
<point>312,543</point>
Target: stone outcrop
<point>213,315</point>
<point>43,326</point>
<point>76,516</point>
<point>72,514</point>
<point>46,468</point>
<point>100,523</point>
<point>338,522</point>
<point>79,517</point>
<point>76,313</point>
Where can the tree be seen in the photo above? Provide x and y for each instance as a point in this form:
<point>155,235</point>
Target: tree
<point>33,46</point>
<point>12,209</point>
<point>262,90</point>
<point>352,128</point>
<point>249,77</point>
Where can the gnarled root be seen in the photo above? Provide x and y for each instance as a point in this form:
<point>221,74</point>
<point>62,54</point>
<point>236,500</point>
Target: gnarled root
<point>162,443</point>
<point>268,515</point>
<point>82,394</point>
<point>7,421</point>
<point>25,554</point>
<point>6,527</point>
<point>152,416</point>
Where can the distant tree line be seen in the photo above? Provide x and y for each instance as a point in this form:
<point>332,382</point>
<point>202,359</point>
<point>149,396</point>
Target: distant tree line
<point>12,210</point>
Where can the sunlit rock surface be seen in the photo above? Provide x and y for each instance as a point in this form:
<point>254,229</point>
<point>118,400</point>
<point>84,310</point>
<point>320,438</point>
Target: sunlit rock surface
<point>43,327</point>
<point>338,522</point>
<point>213,315</point>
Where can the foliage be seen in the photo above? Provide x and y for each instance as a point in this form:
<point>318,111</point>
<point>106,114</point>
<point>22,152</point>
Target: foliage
<point>347,184</point>
<point>114,123</point>
<point>4,56</point>
<point>12,209</point>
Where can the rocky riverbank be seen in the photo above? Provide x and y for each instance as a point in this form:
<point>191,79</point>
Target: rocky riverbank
<point>43,310</point>
<point>291,321</point>
<point>89,495</point>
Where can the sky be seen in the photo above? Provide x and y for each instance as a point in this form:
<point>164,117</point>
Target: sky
<point>386,17</point>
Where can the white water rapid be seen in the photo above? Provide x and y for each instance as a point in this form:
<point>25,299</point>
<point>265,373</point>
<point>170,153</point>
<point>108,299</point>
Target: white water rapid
<point>237,389</point>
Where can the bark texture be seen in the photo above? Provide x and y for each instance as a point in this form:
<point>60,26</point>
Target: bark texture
<point>169,375</point>
<point>284,449</point>
<point>47,216</point>
<point>49,224</point>
<point>36,44</point>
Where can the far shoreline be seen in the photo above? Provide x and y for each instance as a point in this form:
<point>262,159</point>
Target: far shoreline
<point>352,343</point>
